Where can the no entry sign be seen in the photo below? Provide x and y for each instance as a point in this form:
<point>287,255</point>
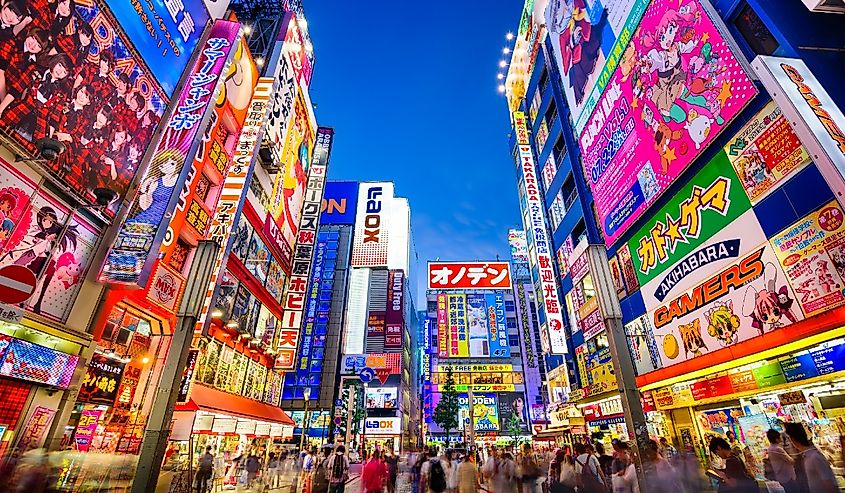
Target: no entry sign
<point>17,283</point>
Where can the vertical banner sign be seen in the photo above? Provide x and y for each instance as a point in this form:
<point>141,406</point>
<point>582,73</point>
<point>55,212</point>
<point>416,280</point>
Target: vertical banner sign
<point>394,318</point>
<point>458,333</point>
<point>85,429</point>
<point>294,302</point>
<point>442,327</point>
<point>549,300</point>
<point>479,328</point>
<point>499,345</point>
<point>676,87</point>
<point>230,203</point>
<point>131,256</point>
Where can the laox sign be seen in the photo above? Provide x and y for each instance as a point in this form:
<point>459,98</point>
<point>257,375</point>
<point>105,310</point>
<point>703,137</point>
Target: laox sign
<point>372,221</point>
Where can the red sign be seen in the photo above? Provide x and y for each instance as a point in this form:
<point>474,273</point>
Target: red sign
<point>17,283</point>
<point>469,275</point>
<point>382,374</point>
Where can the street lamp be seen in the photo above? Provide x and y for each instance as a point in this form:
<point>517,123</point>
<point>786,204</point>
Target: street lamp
<point>306,393</point>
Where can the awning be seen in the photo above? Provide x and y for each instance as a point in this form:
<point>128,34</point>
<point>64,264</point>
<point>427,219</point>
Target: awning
<point>551,433</point>
<point>216,401</point>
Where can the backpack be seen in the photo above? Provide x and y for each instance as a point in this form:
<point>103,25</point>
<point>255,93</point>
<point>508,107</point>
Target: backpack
<point>437,477</point>
<point>320,483</point>
<point>588,480</point>
<point>206,463</point>
<point>338,474</point>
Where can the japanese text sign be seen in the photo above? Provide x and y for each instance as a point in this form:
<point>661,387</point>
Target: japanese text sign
<point>102,380</point>
<point>134,250</point>
<point>676,87</point>
<point>469,275</point>
<point>85,429</point>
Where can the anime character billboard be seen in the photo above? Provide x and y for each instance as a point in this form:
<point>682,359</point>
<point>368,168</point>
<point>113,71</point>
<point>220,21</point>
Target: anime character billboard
<point>677,85</point>
<point>67,72</point>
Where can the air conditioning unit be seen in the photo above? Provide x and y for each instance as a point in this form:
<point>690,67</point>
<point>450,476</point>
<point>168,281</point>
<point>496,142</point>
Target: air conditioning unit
<point>826,6</point>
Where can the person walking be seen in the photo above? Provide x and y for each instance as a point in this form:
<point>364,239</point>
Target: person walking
<point>467,475</point>
<point>531,471</point>
<point>338,470</point>
<point>588,473</point>
<point>205,468</point>
<point>660,476</point>
<point>813,472</point>
<point>320,480</point>
<point>561,476</point>
<point>392,463</point>
<point>624,474</point>
<point>778,465</point>
<point>734,478</point>
<point>252,466</point>
<point>374,474</point>
<point>434,474</point>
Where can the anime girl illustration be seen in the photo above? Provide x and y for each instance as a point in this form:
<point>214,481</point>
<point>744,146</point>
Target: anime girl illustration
<point>768,306</point>
<point>825,277</point>
<point>691,338</point>
<point>723,324</point>
<point>580,43</point>
<point>63,266</point>
<point>45,235</point>
<point>155,193</point>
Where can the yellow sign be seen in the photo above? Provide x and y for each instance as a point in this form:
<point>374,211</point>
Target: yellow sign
<point>481,368</point>
<point>486,387</point>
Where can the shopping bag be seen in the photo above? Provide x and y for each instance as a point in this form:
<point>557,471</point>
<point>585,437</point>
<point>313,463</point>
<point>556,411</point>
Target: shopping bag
<point>774,487</point>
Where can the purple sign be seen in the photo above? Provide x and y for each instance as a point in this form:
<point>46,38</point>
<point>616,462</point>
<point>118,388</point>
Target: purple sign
<point>133,252</point>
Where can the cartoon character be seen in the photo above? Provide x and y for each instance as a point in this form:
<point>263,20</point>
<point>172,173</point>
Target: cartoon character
<point>580,43</point>
<point>675,36</point>
<point>723,324</point>
<point>67,269</point>
<point>807,290</point>
<point>698,126</point>
<point>663,137</point>
<point>838,261</point>
<point>769,304</point>
<point>825,277</point>
<point>6,228</point>
<point>691,338</point>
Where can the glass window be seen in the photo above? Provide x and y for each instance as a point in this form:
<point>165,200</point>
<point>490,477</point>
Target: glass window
<point>754,31</point>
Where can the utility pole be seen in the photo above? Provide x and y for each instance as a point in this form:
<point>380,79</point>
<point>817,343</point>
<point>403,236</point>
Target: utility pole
<point>161,413</point>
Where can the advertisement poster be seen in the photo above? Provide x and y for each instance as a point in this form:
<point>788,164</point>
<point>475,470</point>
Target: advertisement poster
<point>704,205</point>
<point>676,87</point>
<point>513,404</point>
<point>33,432</point>
<point>479,343</point>
<point>85,429</point>
<point>485,411</point>
<point>812,252</point>
<point>458,331</point>
<point>340,202</point>
<point>519,245</point>
<point>28,361</point>
<point>497,325</point>
<point>102,381</point>
<point>616,276</point>
<point>587,37</point>
<point>382,397</point>
<point>130,257</point>
<point>33,234</point>
<point>626,265</point>
<point>469,275</point>
<point>639,334</point>
<point>766,152</point>
<point>730,289</point>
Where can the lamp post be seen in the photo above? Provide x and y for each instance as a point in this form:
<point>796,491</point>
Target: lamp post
<point>306,393</point>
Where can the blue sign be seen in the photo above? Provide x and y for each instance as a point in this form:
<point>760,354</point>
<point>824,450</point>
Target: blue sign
<point>498,333</point>
<point>367,374</point>
<point>340,201</point>
<point>799,367</point>
<point>164,32</point>
<point>829,358</point>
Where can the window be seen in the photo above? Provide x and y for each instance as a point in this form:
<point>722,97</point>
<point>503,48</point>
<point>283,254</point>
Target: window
<point>551,113</point>
<point>544,80</point>
<point>754,31</point>
<point>560,147</point>
<point>509,306</point>
<point>579,231</point>
<point>513,340</point>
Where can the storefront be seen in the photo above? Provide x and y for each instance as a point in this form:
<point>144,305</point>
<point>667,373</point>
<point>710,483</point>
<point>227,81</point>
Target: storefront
<point>382,434</point>
<point>605,420</point>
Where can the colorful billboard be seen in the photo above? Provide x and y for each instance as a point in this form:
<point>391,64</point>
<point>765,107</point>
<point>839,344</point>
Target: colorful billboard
<point>497,326</point>
<point>766,152</point>
<point>458,330</point>
<point>442,327</point>
<point>519,245</point>
<point>130,258</point>
<point>479,331</point>
<point>372,225</point>
<point>96,98</point>
<point>102,380</point>
<point>510,405</point>
<point>641,344</point>
<point>812,252</point>
<point>548,298</point>
<point>395,317</point>
<point>588,38</point>
<point>382,397</point>
<point>340,202</point>
<point>677,85</point>
<point>165,33</point>
<point>32,362</point>
<point>469,275</point>
<point>704,205</point>
<point>485,411</point>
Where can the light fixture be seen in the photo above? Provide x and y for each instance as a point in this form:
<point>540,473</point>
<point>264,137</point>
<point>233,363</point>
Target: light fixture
<point>145,360</point>
<point>506,51</point>
<point>500,76</point>
<point>232,324</point>
<point>501,88</point>
<point>247,29</point>
<point>509,36</point>
<point>259,61</point>
<point>217,313</point>
<point>503,63</point>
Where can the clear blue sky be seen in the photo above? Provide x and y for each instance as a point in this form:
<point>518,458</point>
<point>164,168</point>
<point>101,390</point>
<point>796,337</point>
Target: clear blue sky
<point>410,88</point>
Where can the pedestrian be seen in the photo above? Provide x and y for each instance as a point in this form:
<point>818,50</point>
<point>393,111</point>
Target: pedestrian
<point>374,475</point>
<point>467,475</point>
<point>668,451</point>
<point>504,477</point>
<point>734,478</point>
<point>606,460</point>
<point>252,466</point>
<point>308,464</point>
<point>812,470</point>
<point>589,476</point>
<point>417,484</point>
<point>624,474</point>
<point>320,480</point>
<point>392,463</point>
<point>451,472</point>
<point>561,476</point>
<point>531,471</point>
<point>778,465</point>
<point>660,476</point>
<point>338,470</point>
<point>434,474</point>
<point>205,469</point>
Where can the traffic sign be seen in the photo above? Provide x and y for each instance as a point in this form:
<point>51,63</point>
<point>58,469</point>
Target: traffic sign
<point>338,420</point>
<point>17,283</point>
<point>366,374</point>
<point>382,374</point>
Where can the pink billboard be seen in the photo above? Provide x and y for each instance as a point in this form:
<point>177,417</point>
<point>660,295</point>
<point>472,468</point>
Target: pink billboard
<point>677,86</point>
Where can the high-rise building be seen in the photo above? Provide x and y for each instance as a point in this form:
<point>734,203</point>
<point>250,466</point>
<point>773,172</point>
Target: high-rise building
<point>658,182</point>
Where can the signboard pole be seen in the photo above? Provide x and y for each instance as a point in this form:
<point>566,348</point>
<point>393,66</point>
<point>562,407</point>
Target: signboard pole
<point>161,413</point>
<point>621,357</point>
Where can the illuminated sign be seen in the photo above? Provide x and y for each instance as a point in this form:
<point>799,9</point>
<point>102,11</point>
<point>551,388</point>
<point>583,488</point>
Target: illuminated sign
<point>549,299</point>
<point>28,361</point>
<point>102,380</point>
<point>382,397</point>
<point>340,202</point>
<point>383,426</point>
<point>469,275</point>
<point>371,225</point>
<point>475,368</point>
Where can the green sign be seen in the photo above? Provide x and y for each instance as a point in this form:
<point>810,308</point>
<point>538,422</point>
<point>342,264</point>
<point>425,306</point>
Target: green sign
<point>707,203</point>
<point>769,375</point>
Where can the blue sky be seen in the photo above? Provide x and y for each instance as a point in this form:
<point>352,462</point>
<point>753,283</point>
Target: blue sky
<point>410,88</point>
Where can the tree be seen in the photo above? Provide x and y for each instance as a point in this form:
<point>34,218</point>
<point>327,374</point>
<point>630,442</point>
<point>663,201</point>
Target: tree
<point>513,427</point>
<point>446,412</point>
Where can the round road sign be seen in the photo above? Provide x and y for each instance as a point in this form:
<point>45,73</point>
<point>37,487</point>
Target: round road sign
<point>17,283</point>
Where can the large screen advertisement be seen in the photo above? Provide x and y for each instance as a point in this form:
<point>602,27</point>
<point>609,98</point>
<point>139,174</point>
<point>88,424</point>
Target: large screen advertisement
<point>485,412</point>
<point>81,85</point>
<point>512,408</point>
<point>131,256</point>
<point>497,326</point>
<point>676,87</point>
<point>28,361</point>
<point>587,38</point>
<point>165,33</point>
<point>382,397</point>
